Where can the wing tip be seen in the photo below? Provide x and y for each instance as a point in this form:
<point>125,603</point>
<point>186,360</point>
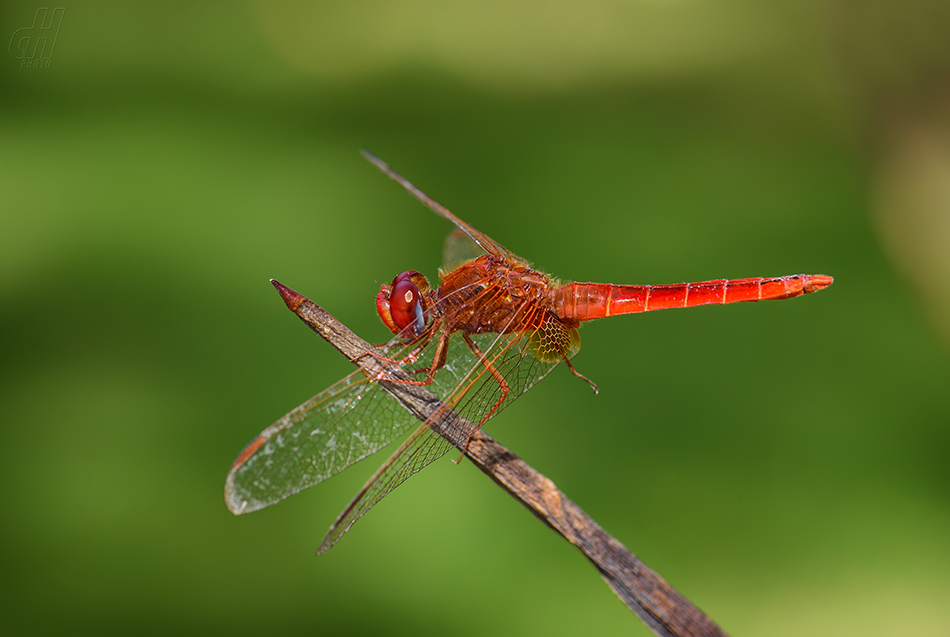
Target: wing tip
<point>369,156</point>
<point>236,504</point>
<point>334,533</point>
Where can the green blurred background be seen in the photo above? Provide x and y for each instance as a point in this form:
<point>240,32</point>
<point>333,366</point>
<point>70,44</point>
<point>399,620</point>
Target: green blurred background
<point>784,465</point>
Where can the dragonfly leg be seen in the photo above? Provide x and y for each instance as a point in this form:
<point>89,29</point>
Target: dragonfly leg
<point>418,344</point>
<point>498,379</point>
<point>438,361</point>
<point>592,384</point>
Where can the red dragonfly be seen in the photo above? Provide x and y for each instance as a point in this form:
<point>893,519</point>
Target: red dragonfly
<point>492,329</point>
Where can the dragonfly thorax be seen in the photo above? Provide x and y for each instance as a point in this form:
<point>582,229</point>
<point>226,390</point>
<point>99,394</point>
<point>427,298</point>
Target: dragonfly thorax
<point>492,294</point>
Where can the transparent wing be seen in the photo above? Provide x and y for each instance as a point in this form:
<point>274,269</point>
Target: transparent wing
<point>336,428</point>
<point>510,366</point>
<point>457,249</point>
<point>480,376</point>
<point>421,449</point>
<point>487,244</point>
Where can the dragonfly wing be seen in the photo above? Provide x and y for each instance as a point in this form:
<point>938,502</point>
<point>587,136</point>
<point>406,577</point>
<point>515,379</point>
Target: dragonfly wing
<point>457,249</point>
<point>333,430</point>
<point>422,448</point>
<point>471,395</point>
<point>487,244</point>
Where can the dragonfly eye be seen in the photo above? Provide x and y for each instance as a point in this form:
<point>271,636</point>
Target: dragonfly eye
<point>405,305</point>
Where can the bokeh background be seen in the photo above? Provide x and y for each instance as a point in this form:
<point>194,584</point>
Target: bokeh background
<point>784,465</point>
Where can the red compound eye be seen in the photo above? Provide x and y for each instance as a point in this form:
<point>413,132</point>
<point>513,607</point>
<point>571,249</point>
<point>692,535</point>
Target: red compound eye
<point>401,305</point>
<point>405,304</point>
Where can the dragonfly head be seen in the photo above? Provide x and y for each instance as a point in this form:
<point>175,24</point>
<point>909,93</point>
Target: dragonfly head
<point>402,305</point>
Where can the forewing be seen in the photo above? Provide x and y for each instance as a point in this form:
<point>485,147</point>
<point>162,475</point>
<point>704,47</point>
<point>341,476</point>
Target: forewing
<point>487,244</point>
<point>333,430</point>
<point>457,249</point>
<point>357,416</point>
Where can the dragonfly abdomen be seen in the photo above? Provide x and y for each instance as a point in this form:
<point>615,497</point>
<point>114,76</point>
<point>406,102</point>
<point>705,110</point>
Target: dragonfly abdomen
<point>587,301</point>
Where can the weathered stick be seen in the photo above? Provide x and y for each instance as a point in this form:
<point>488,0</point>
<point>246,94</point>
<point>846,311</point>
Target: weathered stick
<point>662,609</point>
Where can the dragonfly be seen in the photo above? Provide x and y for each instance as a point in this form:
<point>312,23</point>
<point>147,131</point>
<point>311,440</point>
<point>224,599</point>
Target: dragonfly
<point>489,332</point>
